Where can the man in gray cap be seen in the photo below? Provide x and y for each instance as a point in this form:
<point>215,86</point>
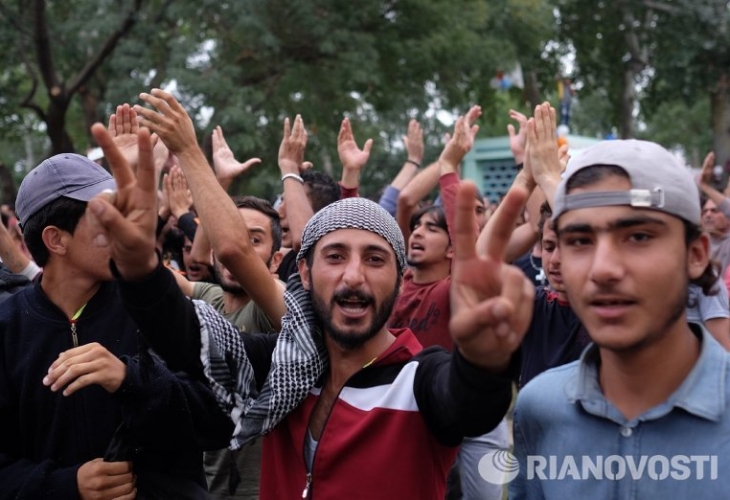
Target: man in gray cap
<point>349,408</point>
<point>84,411</point>
<point>644,412</point>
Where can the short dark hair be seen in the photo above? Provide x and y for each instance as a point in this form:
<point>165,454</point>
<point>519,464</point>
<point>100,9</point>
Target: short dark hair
<point>439,216</point>
<point>323,190</point>
<point>64,213</point>
<point>546,212</point>
<point>596,173</point>
<point>263,206</point>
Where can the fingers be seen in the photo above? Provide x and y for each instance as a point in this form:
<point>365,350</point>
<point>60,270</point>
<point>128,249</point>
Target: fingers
<point>367,146</point>
<point>511,131</point>
<point>513,293</point>
<point>465,235</point>
<point>709,160</point>
<point>345,133</point>
<point>287,128</point>
<point>251,162</point>
<point>83,366</point>
<point>112,125</point>
<point>306,166</point>
<point>502,223</point>
<point>146,161</point>
<point>120,168</point>
<point>518,117</point>
<point>473,115</point>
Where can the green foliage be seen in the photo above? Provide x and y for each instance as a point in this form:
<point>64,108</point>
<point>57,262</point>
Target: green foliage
<point>247,64</point>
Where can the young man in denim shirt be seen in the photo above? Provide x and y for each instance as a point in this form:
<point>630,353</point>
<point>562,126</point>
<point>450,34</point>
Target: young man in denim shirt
<point>643,413</point>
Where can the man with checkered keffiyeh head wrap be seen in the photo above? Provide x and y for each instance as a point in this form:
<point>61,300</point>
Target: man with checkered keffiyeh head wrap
<point>300,357</point>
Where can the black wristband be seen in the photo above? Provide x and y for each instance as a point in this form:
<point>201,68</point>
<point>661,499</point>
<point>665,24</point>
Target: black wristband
<point>418,165</point>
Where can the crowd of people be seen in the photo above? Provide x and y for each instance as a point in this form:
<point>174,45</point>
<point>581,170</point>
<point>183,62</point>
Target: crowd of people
<point>160,338</point>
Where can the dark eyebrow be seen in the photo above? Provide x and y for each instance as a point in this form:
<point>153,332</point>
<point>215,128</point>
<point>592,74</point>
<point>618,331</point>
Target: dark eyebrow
<point>368,248</point>
<point>619,224</point>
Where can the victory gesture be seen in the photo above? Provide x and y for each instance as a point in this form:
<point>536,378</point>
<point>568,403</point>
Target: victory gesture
<point>491,302</point>
<point>126,219</point>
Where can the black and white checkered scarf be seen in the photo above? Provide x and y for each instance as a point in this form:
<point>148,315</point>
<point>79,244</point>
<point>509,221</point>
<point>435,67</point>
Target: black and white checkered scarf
<point>299,359</point>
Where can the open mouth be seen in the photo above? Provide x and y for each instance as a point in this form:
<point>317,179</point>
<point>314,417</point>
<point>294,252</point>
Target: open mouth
<point>353,304</point>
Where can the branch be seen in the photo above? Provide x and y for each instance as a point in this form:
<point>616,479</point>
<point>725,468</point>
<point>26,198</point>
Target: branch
<point>106,49</point>
<point>663,7</point>
<point>43,47</point>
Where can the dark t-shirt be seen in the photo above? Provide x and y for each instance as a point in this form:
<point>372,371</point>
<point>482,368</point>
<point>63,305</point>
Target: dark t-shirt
<point>555,337</point>
<point>288,266</point>
<point>532,267</point>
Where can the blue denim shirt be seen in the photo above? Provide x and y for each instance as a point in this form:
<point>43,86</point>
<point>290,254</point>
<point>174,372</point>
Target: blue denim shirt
<point>572,443</point>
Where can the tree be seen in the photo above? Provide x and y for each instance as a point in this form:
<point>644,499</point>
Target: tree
<point>60,79</point>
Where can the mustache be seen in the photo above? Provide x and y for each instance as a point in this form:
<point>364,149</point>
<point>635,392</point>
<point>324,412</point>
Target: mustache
<point>359,295</point>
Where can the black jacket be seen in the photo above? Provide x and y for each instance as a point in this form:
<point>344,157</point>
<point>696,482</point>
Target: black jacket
<point>159,419</point>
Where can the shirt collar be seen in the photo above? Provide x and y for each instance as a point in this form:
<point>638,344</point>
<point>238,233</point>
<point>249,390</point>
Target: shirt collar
<point>702,392</point>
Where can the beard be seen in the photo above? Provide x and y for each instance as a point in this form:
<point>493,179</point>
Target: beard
<point>229,286</point>
<point>351,339</point>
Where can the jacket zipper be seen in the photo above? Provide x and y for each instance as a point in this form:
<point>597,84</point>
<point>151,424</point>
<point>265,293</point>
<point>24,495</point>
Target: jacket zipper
<point>74,335</point>
<point>73,320</point>
<point>310,475</point>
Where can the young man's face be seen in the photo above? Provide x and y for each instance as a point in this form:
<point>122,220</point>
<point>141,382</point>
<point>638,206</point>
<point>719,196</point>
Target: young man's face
<point>259,232</point>
<point>626,270</point>
<point>82,253</point>
<point>194,271</point>
<point>550,254</point>
<point>354,283</point>
<point>428,244</point>
<point>713,220</point>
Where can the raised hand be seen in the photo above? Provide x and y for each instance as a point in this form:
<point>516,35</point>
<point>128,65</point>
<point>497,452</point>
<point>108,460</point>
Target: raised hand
<point>491,301</point>
<point>517,138</point>
<point>542,159</point>
<point>227,168</point>
<point>293,144</point>
<point>123,127</point>
<point>461,141</point>
<point>413,142</point>
<point>179,196</point>
<point>89,364</point>
<point>100,480</point>
<point>170,121</point>
<point>351,156</point>
<point>706,174</point>
<point>126,219</point>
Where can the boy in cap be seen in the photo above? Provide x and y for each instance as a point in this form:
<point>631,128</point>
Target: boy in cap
<point>350,409</point>
<point>643,413</point>
<point>85,411</point>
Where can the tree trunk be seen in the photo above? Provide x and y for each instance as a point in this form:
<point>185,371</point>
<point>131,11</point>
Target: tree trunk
<point>8,193</point>
<point>720,115</point>
<point>89,106</point>
<point>626,108</point>
<point>56,122</point>
<point>532,90</point>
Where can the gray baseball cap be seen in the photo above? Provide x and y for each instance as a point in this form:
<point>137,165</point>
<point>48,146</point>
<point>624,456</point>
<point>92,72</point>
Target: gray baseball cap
<point>70,175</point>
<point>658,180</point>
<point>354,213</point>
